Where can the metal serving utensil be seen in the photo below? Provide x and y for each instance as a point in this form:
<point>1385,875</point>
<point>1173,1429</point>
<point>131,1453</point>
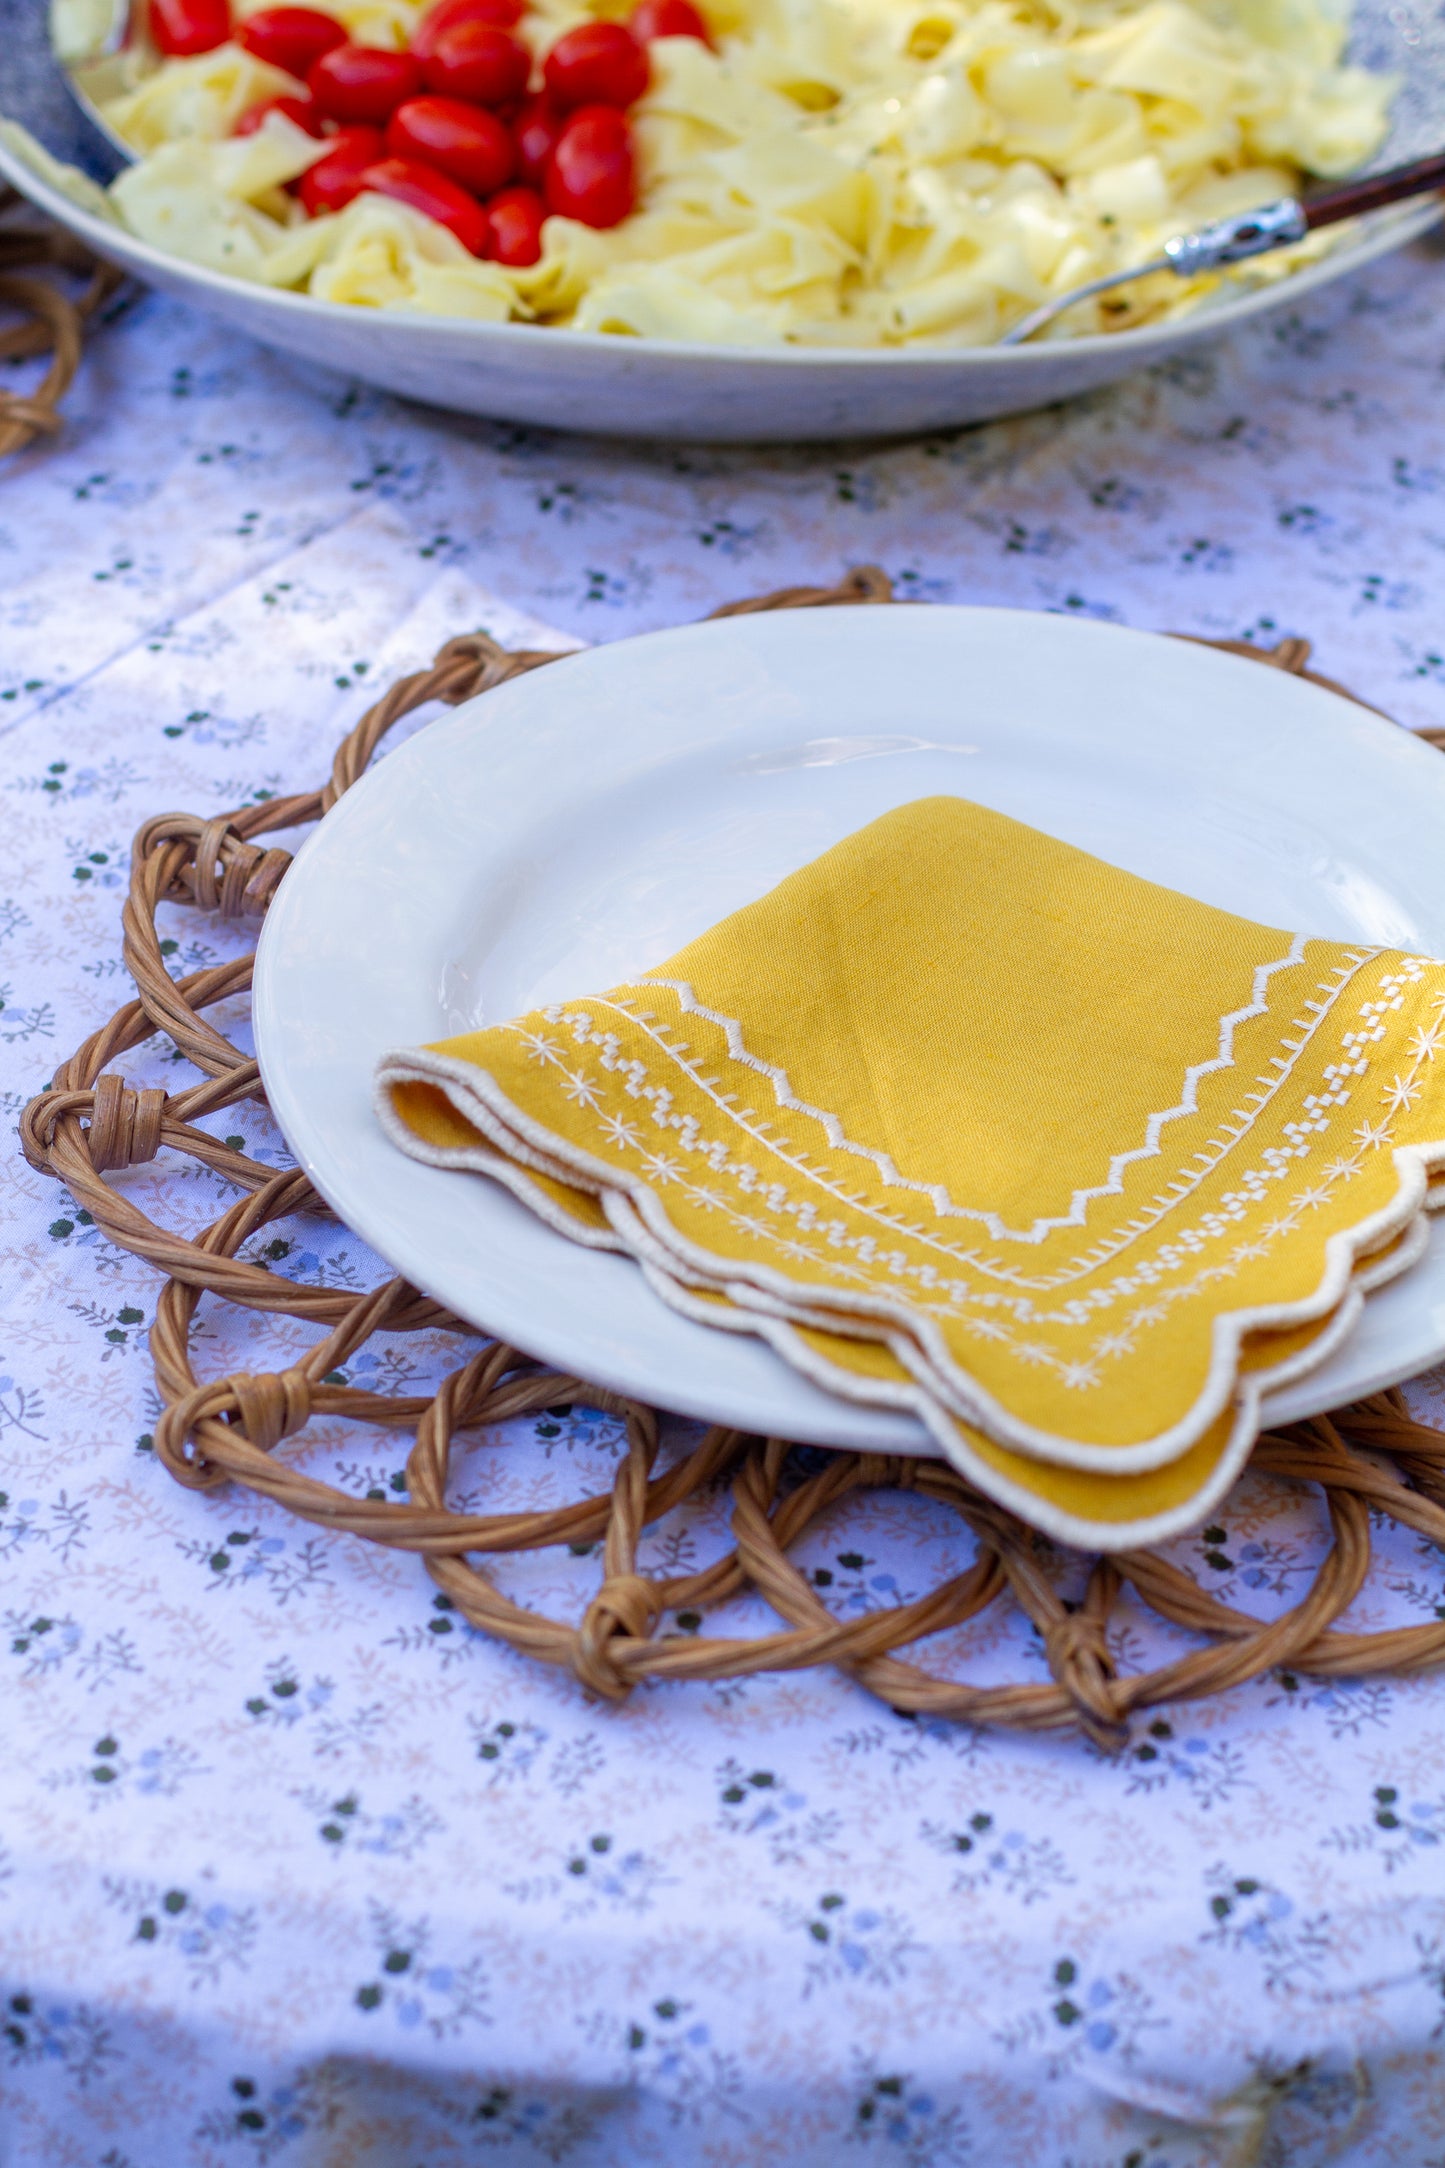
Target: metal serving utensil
<point>1251,233</point>
<point>95,77</point>
<point>36,89</point>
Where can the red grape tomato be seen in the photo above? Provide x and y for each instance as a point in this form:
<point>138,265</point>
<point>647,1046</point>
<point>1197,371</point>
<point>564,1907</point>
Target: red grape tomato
<point>596,64</point>
<point>590,175</point>
<point>363,82</point>
<point>450,14</point>
<point>480,62</point>
<point>182,28</point>
<point>514,227</point>
<point>464,141</point>
<point>668,19</point>
<point>290,38</point>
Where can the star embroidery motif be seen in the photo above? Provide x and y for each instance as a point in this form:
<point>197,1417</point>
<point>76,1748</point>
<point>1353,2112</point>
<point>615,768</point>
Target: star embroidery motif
<point>618,1130</point>
<point>1402,1093</point>
<point>1078,1375</point>
<point>580,1089</point>
<point>1425,1043</point>
<point>1344,1170</point>
<point>540,1047</point>
<point>1373,1133</point>
<point>661,1167</point>
<point>1115,1343</point>
<point>746,1224</point>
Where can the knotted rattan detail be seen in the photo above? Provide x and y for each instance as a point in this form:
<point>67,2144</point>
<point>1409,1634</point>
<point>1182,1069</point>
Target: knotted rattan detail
<point>52,321</point>
<point>91,1124</point>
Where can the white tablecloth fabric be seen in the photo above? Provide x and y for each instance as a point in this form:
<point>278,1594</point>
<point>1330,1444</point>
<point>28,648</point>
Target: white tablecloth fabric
<point>296,1868</point>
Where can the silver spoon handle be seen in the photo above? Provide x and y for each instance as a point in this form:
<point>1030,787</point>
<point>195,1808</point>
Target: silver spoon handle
<point>1045,314</point>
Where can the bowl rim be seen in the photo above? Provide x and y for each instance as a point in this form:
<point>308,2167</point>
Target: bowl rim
<point>1389,230</point>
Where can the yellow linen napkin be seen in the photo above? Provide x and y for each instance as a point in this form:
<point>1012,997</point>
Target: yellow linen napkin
<point>963,1119</point>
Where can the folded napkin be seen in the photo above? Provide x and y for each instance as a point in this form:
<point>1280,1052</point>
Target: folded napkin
<point>967,1122</point>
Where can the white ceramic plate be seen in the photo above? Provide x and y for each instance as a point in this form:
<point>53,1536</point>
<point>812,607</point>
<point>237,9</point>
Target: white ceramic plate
<point>678,389</point>
<point>580,824</point>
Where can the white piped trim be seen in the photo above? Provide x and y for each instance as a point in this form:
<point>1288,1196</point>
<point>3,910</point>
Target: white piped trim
<point>644,1231</point>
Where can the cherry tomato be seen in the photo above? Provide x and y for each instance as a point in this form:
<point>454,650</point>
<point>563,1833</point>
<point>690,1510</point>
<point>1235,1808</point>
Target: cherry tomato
<point>596,64</point>
<point>590,174</point>
<point>300,110</point>
<point>535,131</point>
<point>668,19</point>
<point>334,180</point>
<point>514,226</point>
<point>427,189</point>
<point>290,38</point>
<point>362,82</point>
<point>183,27</point>
<point>451,14</point>
<point>464,141</point>
<point>479,62</point>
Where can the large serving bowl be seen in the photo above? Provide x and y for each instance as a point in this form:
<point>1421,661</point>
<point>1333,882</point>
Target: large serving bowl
<point>682,389</point>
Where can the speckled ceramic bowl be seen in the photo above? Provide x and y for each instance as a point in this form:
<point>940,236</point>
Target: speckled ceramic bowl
<point>655,388</point>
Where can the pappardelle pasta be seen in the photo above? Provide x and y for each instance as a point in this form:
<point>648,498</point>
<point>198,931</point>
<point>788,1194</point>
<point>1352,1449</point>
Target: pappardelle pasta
<point>823,172</point>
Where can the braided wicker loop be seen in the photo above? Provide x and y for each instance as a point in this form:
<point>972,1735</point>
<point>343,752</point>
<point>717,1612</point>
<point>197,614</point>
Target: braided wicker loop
<point>51,321</point>
<point>90,1125</point>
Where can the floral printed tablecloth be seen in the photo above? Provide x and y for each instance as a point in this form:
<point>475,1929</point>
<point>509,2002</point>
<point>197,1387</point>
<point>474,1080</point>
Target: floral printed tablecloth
<point>294,1866</point>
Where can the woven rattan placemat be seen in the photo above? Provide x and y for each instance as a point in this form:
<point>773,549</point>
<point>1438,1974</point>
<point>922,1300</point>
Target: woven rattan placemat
<point>53,314</point>
<point>249,1429</point>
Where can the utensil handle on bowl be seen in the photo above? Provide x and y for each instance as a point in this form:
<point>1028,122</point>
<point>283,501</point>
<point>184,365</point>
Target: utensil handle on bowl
<point>1233,240</point>
<point>1372,191</point>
